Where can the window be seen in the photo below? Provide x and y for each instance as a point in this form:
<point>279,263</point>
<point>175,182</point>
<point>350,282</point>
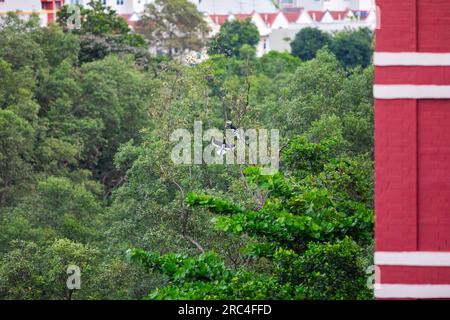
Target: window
<point>120,2</point>
<point>46,6</point>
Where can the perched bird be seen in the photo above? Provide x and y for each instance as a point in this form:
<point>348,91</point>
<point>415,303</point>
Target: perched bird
<point>229,125</point>
<point>234,131</point>
<point>222,146</point>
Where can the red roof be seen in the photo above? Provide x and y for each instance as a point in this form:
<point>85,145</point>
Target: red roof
<point>292,16</point>
<point>339,15</point>
<point>316,15</point>
<point>127,18</point>
<point>242,16</point>
<point>269,18</point>
<point>219,18</point>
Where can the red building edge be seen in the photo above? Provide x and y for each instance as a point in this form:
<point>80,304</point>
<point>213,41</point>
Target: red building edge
<point>51,7</point>
<point>412,149</point>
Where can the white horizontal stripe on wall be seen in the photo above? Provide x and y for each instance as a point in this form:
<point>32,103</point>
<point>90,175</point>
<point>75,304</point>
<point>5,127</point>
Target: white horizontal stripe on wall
<point>411,59</point>
<point>411,91</point>
<point>412,258</point>
<point>420,291</point>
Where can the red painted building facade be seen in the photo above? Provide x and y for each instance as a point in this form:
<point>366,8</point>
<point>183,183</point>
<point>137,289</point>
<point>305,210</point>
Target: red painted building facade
<point>412,149</point>
<point>51,6</point>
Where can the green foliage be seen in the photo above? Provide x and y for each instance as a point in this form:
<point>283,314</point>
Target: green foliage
<point>86,118</point>
<point>206,277</point>
<point>274,63</point>
<point>322,197</point>
<point>16,136</point>
<point>218,205</point>
<point>101,32</point>
<point>320,88</point>
<point>302,227</point>
<point>307,42</point>
<point>173,26</point>
<point>96,18</point>
<point>292,218</point>
<point>306,157</point>
<point>16,41</point>
<point>58,207</point>
<point>29,271</point>
<point>180,268</point>
<point>321,271</point>
<point>101,19</point>
<point>53,146</point>
<point>232,36</point>
<point>353,48</point>
<point>325,271</point>
<point>115,97</point>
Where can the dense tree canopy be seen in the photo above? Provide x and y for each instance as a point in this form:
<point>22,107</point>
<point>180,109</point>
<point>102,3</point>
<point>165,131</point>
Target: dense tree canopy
<point>308,41</point>
<point>173,26</point>
<point>232,36</point>
<point>101,31</point>
<point>352,48</point>
<point>86,176</point>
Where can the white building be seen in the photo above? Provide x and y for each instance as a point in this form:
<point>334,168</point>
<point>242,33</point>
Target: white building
<point>278,29</point>
<point>332,5</point>
<point>24,8</point>
<point>235,6</point>
<point>22,5</point>
<point>365,5</point>
<point>120,6</point>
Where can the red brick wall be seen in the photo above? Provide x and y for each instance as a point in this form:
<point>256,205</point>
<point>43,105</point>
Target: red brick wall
<point>434,25</point>
<point>412,143</point>
<point>395,175</point>
<point>398,26</point>
<point>52,5</point>
<point>434,175</point>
